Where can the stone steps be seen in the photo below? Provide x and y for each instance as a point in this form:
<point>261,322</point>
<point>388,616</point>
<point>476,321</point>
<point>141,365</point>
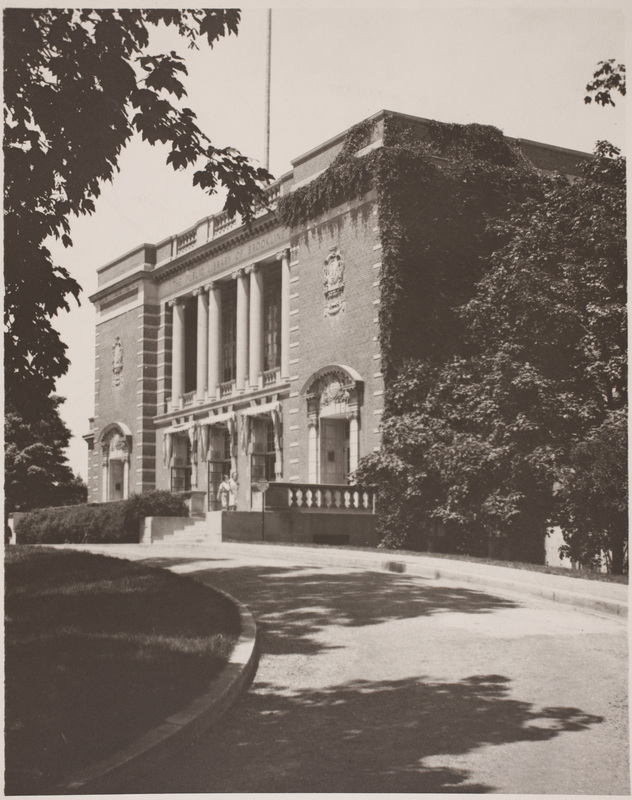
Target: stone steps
<point>188,531</point>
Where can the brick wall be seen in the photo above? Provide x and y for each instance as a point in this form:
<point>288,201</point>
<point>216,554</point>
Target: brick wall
<point>348,338</point>
<point>129,397</point>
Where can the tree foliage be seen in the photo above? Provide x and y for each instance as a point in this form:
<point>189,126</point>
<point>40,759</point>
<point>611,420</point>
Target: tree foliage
<point>36,472</point>
<point>608,78</point>
<point>593,495</point>
<point>478,439</point>
<point>77,85</point>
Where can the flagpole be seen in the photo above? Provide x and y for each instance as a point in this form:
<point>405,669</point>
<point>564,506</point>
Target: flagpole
<point>267,111</point>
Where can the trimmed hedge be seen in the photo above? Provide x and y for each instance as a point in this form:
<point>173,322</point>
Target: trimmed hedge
<point>98,523</point>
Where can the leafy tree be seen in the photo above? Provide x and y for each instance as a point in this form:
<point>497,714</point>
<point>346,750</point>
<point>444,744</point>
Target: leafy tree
<point>594,497</point>
<point>36,469</point>
<point>608,78</point>
<point>478,441</point>
<point>77,85</point>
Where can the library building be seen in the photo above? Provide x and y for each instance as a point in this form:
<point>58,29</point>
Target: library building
<point>242,364</point>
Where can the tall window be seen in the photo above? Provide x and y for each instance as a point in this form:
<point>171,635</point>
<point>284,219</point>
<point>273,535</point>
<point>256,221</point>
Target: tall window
<point>272,320</point>
<point>181,469</point>
<point>190,344</point>
<point>229,331</point>
<point>219,466</point>
<point>263,462</point>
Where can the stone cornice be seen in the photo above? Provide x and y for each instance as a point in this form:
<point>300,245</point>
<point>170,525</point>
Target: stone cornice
<point>136,277</point>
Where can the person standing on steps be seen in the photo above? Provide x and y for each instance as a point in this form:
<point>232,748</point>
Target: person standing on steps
<point>223,493</point>
<point>232,494</point>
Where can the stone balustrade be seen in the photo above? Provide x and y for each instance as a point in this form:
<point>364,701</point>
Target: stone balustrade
<point>186,241</point>
<point>270,377</point>
<point>223,223</point>
<point>226,388</point>
<point>319,498</point>
<point>188,399</point>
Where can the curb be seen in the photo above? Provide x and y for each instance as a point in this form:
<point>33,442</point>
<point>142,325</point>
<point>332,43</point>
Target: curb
<point>582,594</point>
<point>106,776</point>
<point>586,595</point>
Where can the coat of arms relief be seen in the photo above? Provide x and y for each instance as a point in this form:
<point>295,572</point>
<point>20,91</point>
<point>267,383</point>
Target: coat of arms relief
<point>334,283</point>
<point>117,362</point>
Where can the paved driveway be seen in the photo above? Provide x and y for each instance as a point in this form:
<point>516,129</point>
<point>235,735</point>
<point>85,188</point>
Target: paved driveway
<point>372,682</point>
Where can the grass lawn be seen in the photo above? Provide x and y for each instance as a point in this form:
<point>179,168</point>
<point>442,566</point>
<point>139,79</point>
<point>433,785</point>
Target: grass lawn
<point>97,651</point>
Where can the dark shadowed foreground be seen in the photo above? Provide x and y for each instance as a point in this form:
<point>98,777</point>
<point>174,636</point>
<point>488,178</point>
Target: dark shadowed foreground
<point>98,651</point>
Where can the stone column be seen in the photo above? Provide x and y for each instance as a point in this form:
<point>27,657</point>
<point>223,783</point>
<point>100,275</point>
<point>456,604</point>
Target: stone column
<point>354,441</point>
<point>284,258</point>
<point>312,449</point>
<point>177,354</point>
<point>256,326</point>
<point>202,344</point>
<point>105,474</point>
<point>214,339</point>
<point>242,329</point>
<point>126,477</point>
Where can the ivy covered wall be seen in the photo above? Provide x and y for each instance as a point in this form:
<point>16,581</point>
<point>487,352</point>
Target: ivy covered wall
<point>437,185</point>
<point>477,433</point>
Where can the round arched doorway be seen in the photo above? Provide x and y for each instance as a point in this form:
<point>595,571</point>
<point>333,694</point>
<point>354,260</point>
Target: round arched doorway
<point>334,398</point>
<point>116,446</point>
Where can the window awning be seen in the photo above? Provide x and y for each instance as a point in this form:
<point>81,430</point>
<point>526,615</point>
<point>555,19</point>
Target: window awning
<point>183,428</point>
<point>191,430</point>
<point>217,419</point>
<point>258,411</point>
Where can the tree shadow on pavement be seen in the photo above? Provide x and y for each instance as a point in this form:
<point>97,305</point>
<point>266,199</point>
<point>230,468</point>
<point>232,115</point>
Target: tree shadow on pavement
<point>292,605</point>
<point>362,736</point>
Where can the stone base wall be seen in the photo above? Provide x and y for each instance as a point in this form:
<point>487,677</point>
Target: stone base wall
<point>287,526</point>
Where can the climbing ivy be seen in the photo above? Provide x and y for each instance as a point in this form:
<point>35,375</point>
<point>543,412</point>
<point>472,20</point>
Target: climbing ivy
<point>438,185</point>
<point>347,178</point>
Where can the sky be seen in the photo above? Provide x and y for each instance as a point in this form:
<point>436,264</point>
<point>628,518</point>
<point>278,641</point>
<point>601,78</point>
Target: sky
<point>522,68</point>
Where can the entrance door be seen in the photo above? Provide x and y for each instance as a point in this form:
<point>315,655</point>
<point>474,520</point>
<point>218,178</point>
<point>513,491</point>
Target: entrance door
<point>219,465</point>
<point>334,448</point>
<point>116,479</point>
